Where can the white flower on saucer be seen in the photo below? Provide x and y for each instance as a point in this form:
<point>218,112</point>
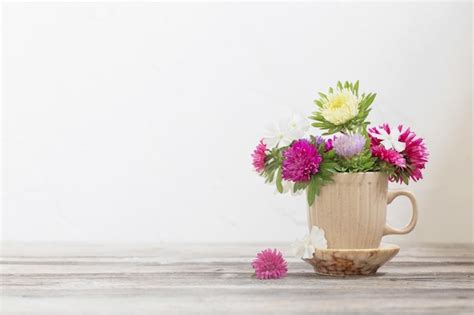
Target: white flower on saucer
<point>390,140</point>
<point>284,132</point>
<point>308,245</point>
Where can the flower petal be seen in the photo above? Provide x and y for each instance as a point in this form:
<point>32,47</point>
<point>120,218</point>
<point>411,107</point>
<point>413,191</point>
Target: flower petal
<point>298,248</point>
<point>318,238</point>
<point>387,143</point>
<point>379,136</point>
<point>308,252</point>
<point>398,146</point>
<point>285,141</point>
<point>270,142</point>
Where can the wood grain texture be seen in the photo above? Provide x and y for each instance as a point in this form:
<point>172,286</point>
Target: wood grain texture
<point>163,279</point>
<point>352,210</point>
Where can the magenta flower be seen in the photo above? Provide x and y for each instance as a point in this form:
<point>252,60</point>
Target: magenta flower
<point>300,161</point>
<point>388,155</point>
<point>415,152</point>
<point>270,264</point>
<point>259,156</point>
<point>349,145</point>
<point>400,148</point>
<point>328,143</point>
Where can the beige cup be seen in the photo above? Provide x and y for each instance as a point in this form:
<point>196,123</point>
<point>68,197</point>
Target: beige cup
<point>352,210</point>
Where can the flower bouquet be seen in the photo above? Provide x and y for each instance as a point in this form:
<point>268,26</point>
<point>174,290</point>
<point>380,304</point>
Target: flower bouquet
<point>344,168</point>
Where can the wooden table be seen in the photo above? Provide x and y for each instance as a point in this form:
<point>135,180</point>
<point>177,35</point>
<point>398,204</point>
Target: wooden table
<point>164,279</point>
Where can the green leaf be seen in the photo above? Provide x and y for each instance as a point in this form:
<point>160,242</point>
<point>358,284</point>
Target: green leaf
<point>319,103</point>
<point>321,147</point>
<point>370,99</point>
<point>311,191</point>
<point>322,95</point>
<point>331,154</point>
<point>299,186</point>
<point>279,181</point>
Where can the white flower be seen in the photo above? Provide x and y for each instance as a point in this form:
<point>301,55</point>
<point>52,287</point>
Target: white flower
<point>340,106</point>
<point>283,133</point>
<point>390,140</point>
<point>308,245</point>
<point>288,187</point>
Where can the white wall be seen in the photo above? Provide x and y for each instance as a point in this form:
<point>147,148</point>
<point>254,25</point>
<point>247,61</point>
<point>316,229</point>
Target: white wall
<point>135,122</point>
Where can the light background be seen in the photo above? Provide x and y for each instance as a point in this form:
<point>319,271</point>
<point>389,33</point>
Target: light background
<point>135,122</point>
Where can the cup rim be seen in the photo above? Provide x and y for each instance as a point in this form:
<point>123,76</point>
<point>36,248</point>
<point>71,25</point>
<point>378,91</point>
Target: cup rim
<point>382,247</point>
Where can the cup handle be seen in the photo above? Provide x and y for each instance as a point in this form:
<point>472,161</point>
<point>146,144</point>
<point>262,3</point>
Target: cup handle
<point>414,217</point>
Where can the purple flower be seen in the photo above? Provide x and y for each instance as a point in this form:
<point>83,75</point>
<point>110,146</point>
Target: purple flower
<point>349,145</point>
<point>300,161</point>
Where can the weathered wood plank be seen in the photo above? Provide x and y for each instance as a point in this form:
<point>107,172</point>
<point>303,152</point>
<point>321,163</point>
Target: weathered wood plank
<point>145,279</point>
<point>250,303</point>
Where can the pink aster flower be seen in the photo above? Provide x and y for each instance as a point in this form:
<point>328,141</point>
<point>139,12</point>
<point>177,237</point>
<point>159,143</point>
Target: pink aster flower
<point>400,148</point>
<point>388,155</point>
<point>349,145</point>
<point>415,152</point>
<point>269,264</point>
<point>259,156</point>
<point>300,161</point>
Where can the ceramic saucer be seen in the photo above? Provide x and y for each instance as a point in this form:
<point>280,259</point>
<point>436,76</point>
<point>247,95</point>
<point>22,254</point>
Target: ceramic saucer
<point>344,262</point>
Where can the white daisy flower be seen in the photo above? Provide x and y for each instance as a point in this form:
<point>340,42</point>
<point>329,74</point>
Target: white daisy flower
<point>390,140</point>
<point>284,132</point>
<point>306,247</point>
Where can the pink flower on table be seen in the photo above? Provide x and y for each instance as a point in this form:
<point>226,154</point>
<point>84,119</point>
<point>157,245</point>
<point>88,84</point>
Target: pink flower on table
<point>269,264</point>
<point>300,161</point>
<point>401,148</point>
<point>259,156</point>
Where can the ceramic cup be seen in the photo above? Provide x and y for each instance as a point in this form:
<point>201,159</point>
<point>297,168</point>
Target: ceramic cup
<point>352,210</point>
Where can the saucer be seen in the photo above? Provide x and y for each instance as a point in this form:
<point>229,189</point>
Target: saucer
<point>345,262</point>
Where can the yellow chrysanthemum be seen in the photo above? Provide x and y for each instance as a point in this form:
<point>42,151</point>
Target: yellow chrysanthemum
<point>340,106</point>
